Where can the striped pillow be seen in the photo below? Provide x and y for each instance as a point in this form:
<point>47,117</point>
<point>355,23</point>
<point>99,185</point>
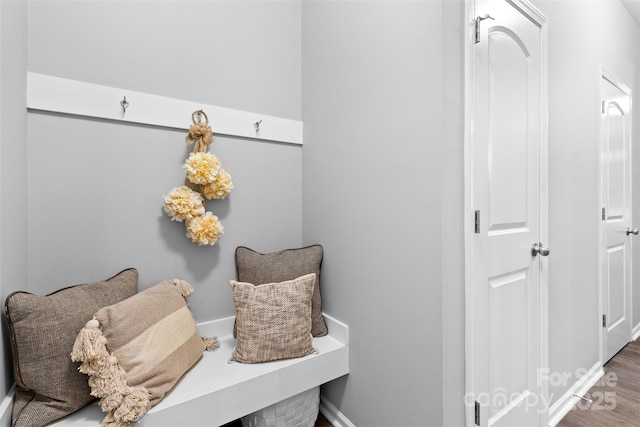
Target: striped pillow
<point>135,351</point>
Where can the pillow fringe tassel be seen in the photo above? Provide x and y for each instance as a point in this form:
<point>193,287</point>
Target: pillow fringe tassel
<point>88,346</point>
<point>210,343</point>
<point>185,287</point>
<point>108,381</point>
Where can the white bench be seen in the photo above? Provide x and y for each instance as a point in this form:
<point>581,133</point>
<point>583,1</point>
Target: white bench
<point>215,392</point>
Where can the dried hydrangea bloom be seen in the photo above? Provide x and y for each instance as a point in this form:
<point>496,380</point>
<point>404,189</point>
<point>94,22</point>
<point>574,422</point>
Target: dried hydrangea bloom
<point>202,168</point>
<point>204,230</point>
<point>219,188</point>
<point>183,203</point>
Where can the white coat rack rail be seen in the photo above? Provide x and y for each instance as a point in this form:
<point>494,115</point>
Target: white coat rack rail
<point>60,95</point>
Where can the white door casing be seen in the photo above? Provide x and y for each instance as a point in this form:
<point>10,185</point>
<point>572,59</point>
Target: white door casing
<point>615,182</point>
<point>506,149</point>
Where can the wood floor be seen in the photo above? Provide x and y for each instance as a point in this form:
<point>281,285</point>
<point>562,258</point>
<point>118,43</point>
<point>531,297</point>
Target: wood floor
<point>322,421</point>
<point>616,398</point>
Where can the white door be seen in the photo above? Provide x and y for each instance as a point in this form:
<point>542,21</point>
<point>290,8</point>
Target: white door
<point>508,164</point>
<point>617,228</point>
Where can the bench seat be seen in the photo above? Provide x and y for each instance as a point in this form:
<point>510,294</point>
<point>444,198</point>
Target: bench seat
<point>215,392</point>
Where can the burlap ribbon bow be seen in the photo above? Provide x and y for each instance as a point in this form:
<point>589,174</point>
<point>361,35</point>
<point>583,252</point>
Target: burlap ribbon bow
<point>200,133</point>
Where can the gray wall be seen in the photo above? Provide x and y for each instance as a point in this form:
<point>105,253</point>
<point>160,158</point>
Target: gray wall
<point>13,163</point>
<point>452,209</point>
<point>95,187</point>
<point>374,184</point>
<point>237,54</point>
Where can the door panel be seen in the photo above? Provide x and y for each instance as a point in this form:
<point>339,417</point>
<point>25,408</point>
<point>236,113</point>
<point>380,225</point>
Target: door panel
<point>616,201</point>
<point>616,280</point>
<point>616,167</point>
<point>506,150</point>
<point>508,307</point>
<point>507,94</point>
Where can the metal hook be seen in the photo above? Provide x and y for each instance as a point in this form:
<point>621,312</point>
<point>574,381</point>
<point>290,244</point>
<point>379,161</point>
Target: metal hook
<point>124,104</point>
<point>257,126</point>
<point>199,117</point>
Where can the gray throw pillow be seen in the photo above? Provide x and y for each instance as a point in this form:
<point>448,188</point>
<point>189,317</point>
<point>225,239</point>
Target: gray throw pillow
<point>43,330</point>
<point>256,268</point>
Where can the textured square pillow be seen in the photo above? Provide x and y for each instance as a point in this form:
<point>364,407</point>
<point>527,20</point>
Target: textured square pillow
<point>273,320</point>
<point>254,267</point>
<point>135,351</point>
<point>43,329</point>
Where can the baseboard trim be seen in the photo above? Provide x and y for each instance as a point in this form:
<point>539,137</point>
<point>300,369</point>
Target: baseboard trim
<point>559,409</point>
<point>6,407</point>
<point>636,332</point>
<point>333,415</point>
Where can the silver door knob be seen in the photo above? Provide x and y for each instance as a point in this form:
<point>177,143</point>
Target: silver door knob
<point>539,248</point>
<point>635,231</point>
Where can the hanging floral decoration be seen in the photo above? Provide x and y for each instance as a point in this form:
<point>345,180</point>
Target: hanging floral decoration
<point>204,177</point>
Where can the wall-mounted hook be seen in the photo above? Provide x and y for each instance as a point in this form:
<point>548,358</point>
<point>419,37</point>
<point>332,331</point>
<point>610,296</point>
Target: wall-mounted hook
<point>199,116</point>
<point>124,105</point>
<point>256,125</point>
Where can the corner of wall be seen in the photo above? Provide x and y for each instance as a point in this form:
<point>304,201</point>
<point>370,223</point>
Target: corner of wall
<point>452,203</point>
<point>13,162</point>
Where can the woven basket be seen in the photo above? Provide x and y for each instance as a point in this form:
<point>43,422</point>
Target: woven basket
<point>300,410</point>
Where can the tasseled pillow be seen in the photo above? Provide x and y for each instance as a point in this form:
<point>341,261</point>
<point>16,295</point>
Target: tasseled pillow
<point>136,351</point>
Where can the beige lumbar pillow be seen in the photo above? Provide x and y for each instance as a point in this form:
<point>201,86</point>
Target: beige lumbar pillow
<point>136,351</point>
<point>273,320</point>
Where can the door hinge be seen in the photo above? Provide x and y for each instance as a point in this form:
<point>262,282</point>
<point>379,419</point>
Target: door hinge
<point>604,320</point>
<point>478,20</point>
<point>603,106</point>
<point>604,214</point>
<point>477,222</point>
<point>477,413</point>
